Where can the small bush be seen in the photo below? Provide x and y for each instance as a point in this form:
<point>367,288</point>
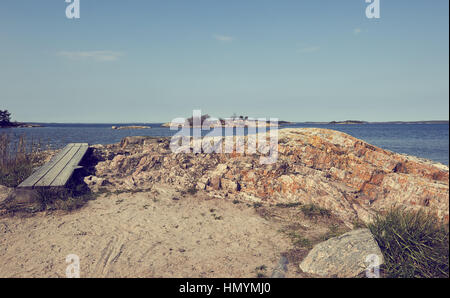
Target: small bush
<point>191,191</point>
<point>414,244</point>
<point>298,239</point>
<point>303,242</point>
<point>288,205</point>
<point>312,210</point>
<point>261,271</point>
<point>257,205</point>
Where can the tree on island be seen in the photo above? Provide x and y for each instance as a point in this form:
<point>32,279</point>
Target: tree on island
<point>5,118</point>
<point>202,118</point>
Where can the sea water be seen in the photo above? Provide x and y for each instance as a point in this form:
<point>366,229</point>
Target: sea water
<point>429,141</point>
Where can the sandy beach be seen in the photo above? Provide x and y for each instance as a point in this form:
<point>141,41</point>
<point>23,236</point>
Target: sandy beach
<point>150,234</point>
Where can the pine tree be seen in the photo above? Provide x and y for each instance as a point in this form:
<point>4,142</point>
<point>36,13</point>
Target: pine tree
<point>5,117</point>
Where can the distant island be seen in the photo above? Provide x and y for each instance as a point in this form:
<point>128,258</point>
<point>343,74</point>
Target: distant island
<point>348,122</point>
<point>130,127</point>
<point>415,122</point>
<point>234,121</point>
<point>5,121</point>
<point>19,125</point>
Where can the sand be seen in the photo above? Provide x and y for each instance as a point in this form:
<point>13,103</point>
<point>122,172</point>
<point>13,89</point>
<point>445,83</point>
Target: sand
<point>157,233</point>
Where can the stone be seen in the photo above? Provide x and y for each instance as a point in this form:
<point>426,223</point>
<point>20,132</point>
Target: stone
<point>343,256</point>
<point>216,183</point>
<point>281,268</point>
<point>229,185</point>
<point>331,169</point>
<point>135,140</point>
<point>95,183</point>
<point>23,200</point>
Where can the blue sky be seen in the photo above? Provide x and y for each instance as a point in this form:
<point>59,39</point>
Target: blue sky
<point>152,61</point>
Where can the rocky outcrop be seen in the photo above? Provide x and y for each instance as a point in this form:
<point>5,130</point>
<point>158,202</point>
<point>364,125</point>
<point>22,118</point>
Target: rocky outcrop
<point>348,122</point>
<point>346,256</point>
<point>130,127</point>
<point>236,123</point>
<point>328,168</point>
<point>229,122</point>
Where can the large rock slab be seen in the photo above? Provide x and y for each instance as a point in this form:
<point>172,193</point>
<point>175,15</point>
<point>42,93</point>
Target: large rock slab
<point>343,256</point>
<point>330,169</point>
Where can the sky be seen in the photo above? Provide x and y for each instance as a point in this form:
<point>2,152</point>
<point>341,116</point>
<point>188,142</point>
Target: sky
<point>155,60</point>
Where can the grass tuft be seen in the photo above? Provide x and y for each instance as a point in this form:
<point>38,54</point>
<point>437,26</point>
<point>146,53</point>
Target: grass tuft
<point>257,205</point>
<point>288,205</point>
<point>333,231</point>
<point>312,210</point>
<point>299,240</point>
<point>190,191</point>
<point>415,244</point>
<point>63,198</point>
<point>261,271</point>
<point>17,159</point>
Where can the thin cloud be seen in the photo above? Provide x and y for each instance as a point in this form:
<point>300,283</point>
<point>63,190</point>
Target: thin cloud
<point>309,49</point>
<point>100,56</point>
<point>223,38</point>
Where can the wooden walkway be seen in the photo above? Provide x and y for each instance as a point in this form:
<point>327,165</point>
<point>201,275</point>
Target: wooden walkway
<point>59,169</point>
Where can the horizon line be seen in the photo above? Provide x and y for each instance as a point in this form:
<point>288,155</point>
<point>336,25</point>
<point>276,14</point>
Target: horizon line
<point>293,122</point>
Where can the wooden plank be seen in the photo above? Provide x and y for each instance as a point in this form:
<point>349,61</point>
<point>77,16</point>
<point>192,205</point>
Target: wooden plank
<point>58,168</point>
<point>42,171</point>
<point>48,178</point>
<point>68,170</point>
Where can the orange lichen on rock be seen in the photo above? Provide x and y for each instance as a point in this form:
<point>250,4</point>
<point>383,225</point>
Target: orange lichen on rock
<point>320,166</point>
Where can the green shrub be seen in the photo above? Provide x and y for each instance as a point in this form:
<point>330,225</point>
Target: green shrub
<point>312,210</point>
<point>414,244</point>
<point>191,191</point>
<point>261,271</point>
<point>257,205</point>
<point>298,239</point>
<point>288,205</point>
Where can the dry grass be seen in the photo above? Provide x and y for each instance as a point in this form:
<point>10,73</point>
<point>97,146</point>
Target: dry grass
<point>313,211</point>
<point>414,244</point>
<point>17,159</point>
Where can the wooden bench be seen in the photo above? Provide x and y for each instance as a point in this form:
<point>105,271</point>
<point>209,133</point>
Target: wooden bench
<point>59,169</point>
